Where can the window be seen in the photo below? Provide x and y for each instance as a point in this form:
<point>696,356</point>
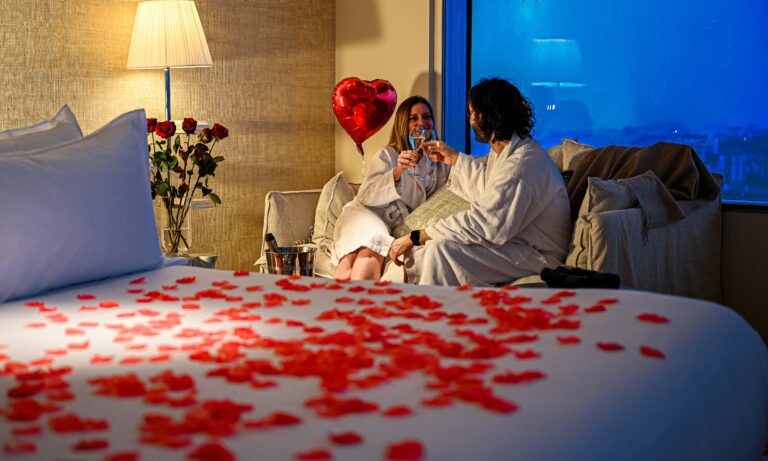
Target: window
<point>633,73</point>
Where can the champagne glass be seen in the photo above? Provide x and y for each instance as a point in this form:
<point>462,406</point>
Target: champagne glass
<point>417,137</point>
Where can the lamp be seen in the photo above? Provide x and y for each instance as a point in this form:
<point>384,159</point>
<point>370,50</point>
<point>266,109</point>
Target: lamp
<point>168,33</point>
<point>557,63</point>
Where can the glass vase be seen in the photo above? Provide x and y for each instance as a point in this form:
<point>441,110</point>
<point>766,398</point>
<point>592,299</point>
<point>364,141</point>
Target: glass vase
<point>175,227</point>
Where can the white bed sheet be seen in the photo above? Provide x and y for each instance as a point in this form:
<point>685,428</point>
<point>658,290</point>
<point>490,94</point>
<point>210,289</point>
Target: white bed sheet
<point>706,400</point>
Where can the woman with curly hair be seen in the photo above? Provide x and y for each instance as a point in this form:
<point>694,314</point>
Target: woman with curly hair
<point>519,219</point>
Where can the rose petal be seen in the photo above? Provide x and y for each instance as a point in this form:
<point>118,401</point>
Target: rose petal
<point>610,347</point>
<point>652,318</point>
<point>651,352</point>
<point>346,438</point>
<point>315,454</point>
<point>406,450</point>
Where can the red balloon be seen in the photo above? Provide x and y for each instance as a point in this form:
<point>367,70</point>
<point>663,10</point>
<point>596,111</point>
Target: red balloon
<point>362,107</point>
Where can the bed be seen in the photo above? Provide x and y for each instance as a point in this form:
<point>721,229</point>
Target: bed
<point>169,363</point>
<point>109,353</point>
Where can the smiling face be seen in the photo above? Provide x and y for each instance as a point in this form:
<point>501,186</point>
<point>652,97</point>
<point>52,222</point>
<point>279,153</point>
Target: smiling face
<point>420,116</point>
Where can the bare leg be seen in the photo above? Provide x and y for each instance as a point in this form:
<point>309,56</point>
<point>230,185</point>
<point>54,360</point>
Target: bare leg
<point>367,266</point>
<point>344,271</point>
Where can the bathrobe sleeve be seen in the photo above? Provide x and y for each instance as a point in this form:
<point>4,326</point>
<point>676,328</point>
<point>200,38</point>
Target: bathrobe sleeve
<point>380,190</point>
<point>505,202</point>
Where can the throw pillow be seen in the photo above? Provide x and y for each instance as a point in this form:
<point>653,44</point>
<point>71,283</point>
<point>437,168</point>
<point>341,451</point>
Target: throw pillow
<point>556,154</point>
<point>61,128</point>
<point>77,211</point>
<point>572,153</point>
<point>644,191</point>
<point>335,194</point>
<point>441,204</point>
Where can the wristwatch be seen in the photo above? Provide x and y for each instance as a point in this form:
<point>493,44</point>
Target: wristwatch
<point>415,237</point>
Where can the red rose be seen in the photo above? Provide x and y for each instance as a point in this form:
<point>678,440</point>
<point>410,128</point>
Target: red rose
<point>205,136</point>
<point>189,125</point>
<point>219,131</point>
<point>166,129</point>
<point>151,125</point>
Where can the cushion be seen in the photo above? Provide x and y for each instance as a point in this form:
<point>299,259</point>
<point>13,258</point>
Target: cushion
<point>78,211</point>
<point>645,191</point>
<point>61,128</point>
<point>441,204</point>
<point>572,153</point>
<point>556,154</point>
<point>288,216</point>
<point>335,194</point>
<point>682,258</point>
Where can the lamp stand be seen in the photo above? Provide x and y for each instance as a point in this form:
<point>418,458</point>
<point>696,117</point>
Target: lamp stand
<point>168,93</point>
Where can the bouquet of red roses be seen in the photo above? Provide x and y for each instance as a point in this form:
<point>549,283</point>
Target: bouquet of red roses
<point>180,167</point>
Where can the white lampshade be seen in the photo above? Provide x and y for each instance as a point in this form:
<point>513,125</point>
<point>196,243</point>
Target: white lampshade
<point>168,33</point>
<point>557,63</point>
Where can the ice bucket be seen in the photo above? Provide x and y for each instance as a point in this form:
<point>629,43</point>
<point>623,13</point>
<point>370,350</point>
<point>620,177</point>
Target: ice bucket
<point>296,260</point>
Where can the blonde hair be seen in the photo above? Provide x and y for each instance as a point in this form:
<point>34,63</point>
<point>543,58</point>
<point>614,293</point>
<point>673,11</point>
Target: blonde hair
<point>398,139</point>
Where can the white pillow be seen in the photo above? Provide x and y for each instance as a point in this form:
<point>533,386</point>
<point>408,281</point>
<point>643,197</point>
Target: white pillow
<point>335,194</point>
<point>61,128</point>
<point>78,211</point>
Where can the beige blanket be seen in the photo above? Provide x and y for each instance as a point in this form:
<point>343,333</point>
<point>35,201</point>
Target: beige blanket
<point>678,166</point>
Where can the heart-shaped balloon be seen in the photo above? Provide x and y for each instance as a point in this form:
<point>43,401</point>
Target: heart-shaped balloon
<point>362,107</point>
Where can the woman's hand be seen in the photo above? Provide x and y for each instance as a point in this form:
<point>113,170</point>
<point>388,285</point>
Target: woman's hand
<point>406,159</point>
<point>400,247</point>
<point>441,152</point>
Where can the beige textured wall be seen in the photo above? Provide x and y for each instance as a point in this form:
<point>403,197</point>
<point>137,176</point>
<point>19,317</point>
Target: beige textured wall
<point>390,40</point>
<point>270,84</point>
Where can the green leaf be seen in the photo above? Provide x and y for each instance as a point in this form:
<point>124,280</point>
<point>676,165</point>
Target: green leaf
<point>214,198</point>
<point>177,144</point>
<point>162,189</point>
<point>218,159</point>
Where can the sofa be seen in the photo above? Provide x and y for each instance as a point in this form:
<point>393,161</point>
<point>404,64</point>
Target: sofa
<point>650,215</point>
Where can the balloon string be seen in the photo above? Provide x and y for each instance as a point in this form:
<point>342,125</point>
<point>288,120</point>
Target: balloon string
<point>362,169</point>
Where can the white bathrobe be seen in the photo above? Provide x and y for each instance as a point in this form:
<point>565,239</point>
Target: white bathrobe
<point>381,203</point>
<point>518,222</point>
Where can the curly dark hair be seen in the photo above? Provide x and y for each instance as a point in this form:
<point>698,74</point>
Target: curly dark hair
<point>500,110</point>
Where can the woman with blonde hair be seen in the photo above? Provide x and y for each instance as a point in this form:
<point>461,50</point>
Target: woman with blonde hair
<point>387,195</point>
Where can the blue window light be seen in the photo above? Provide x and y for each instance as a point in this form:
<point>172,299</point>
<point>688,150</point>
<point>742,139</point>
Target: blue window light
<point>626,73</point>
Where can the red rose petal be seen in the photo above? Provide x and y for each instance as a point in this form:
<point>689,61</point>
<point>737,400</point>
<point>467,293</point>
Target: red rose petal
<point>91,444</point>
<point>406,450</point>
<point>240,273</point>
<point>610,347</point>
<point>397,410</point>
<point>316,454</point>
<point>123,456</point>
<point>568,340</point>
<point>85,296</point>
<point>652,318</point>
<point>137,281</point>
<point>346,438</point>
<point>511,377</point>
<point>651,352</point>
<point>211,451</point>
<point>27,430</point>
<point>16,447</point>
